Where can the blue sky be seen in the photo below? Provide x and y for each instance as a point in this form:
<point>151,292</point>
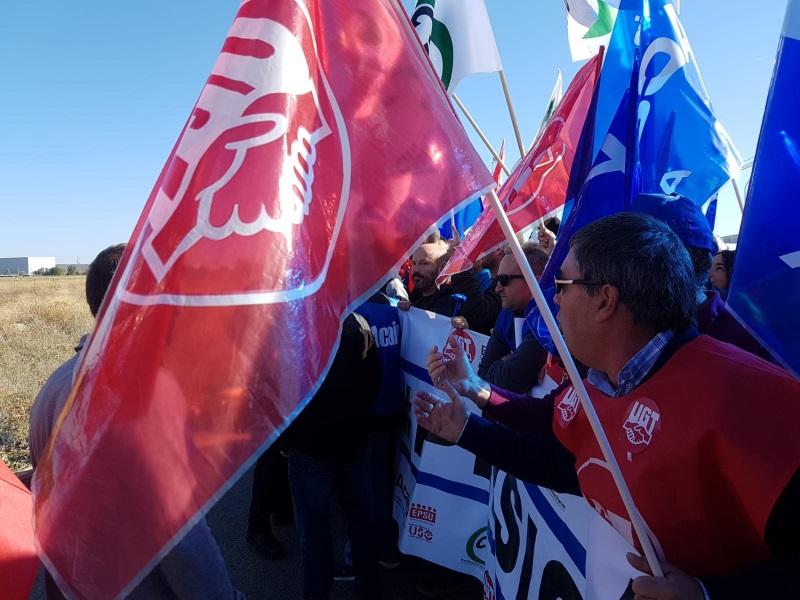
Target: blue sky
<point>95,93</point>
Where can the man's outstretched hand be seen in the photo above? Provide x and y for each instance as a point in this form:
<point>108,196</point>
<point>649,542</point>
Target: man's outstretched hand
<point>442,418</point>
<point>457,372</point>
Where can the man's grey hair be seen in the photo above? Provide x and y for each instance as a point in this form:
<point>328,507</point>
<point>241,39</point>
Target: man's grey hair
<point>537,258</point>
<point>646,261</point>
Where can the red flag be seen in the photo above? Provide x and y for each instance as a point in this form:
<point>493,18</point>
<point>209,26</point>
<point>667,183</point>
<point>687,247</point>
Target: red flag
<point>18,562</point>
<point>538,185</point>
<point>497,173</point>
<point>304,177</point>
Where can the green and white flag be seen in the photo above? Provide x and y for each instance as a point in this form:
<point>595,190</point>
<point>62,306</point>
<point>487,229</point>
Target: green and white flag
<point>589,25</point>
<point>458,37</point>
<point>555,98</point>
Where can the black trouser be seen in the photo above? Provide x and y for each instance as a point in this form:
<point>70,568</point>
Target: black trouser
<point>270,489</point>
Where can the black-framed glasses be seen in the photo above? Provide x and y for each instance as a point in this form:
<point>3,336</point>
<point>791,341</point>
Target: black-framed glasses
<point>563,283</point>
<point>505,280</point>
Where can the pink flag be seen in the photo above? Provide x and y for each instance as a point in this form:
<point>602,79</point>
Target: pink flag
<point>18,561</point>
<point>537,187</point>
<point>305,175</point>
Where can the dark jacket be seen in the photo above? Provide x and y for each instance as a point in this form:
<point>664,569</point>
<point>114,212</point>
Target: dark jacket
<point>514,369</point>
<point>335,423</point>
<point>480,310</point>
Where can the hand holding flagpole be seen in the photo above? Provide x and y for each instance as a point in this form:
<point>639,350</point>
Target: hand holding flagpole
<point>594,421</point>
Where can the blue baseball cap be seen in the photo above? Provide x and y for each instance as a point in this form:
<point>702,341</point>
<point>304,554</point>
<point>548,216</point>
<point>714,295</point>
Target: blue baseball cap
<point>682,215</point>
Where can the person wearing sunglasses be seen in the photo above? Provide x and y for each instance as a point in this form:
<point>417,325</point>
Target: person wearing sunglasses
<point>712,468</point>
<point>504,363</point>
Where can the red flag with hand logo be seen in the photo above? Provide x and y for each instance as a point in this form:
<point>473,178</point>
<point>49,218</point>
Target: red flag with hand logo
<point>537,187</point>
<point>319,152</point>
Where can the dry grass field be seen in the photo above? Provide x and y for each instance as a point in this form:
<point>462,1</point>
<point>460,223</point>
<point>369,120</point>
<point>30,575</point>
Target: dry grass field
<point>41,319</point>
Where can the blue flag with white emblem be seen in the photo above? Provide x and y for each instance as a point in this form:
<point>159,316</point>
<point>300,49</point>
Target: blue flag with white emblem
<point>652,131</point>
<point>765,288</point>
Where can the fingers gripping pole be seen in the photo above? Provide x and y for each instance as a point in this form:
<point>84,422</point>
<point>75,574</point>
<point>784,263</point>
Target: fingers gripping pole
<point>580,388</point>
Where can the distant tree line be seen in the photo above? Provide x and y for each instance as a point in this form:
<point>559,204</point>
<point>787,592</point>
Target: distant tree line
<point>70,270</point>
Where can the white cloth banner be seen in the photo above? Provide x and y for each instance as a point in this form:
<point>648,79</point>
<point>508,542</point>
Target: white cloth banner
<point>441,493</point>
<point>522,540</point>
<point>548,545</point>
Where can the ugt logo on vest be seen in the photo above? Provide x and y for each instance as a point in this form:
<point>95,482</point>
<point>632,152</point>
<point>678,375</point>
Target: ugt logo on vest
<point>643,420</point>
<point>568,407</point>
<point>261,169</point>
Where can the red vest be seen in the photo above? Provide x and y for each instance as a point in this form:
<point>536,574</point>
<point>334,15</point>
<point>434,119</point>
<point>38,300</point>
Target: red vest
<point>706,445</point>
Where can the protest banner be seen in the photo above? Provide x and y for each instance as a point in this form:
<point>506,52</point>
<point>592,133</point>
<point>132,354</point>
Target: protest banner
<point>455,511</point>
<point>547,545</point>
<point>441,492</point>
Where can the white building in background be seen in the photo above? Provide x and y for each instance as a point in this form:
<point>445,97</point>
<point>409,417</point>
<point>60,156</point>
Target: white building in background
<point>25,265</point>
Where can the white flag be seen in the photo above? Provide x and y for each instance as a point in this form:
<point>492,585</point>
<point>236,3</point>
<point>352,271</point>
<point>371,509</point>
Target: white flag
<point>458,37</point>
<point>589,25</point>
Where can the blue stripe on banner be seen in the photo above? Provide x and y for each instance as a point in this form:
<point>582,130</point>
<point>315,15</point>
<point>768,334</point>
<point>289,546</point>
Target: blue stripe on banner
<point>415,371</point>
<point>574,548</point>
<point>470,492</point>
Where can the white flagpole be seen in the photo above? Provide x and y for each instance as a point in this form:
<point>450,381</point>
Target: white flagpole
<point>480,133</point>
<point>511,112</point>
<point>580,388</point>
<point>738,193</point>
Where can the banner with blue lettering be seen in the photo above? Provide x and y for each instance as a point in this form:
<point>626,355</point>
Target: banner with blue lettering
<point>652,130</point>
<point>766,276</point>
<point>456,511</point>
<point>442,492</point>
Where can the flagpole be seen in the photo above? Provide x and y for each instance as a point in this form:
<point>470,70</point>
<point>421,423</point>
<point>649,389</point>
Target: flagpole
<point>738,193</point>
<point>480,133</point>
<point>511,112</point>
<point>636,518</point>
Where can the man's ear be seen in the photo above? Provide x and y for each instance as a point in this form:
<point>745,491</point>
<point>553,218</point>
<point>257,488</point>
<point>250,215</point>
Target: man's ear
<point>606,302</point>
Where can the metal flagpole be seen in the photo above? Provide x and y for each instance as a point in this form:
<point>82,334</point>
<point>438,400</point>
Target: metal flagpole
<point>511,112</point>
<point>580,388</point>
<point>477,129</point>
<point>738,193</point>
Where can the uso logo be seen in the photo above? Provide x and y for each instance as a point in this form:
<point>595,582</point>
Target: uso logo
<point>420,533</point>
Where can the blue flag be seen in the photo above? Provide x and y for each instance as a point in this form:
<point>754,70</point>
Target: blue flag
<point>464,219</point>
<point>765,288</point>
<point>653,130</point>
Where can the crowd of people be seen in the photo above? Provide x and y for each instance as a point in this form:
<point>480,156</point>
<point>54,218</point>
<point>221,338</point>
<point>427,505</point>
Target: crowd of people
<point>712,463</point>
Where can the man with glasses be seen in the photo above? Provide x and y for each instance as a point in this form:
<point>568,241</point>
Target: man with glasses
<point>705,433</point>
<point>512,367</point>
